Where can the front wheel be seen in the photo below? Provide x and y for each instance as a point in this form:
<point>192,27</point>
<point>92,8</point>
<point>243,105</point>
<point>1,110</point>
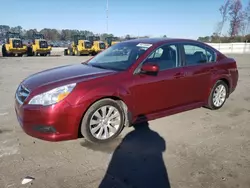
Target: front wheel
<point>93,53</point>
<point>78,53</point>
<point>66,52</point>
<point>4,51</point>
<point>218,95</point>
<point>103,121</point>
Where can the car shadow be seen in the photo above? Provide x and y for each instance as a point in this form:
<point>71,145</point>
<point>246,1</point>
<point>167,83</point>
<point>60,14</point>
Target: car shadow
<point>138,161</point>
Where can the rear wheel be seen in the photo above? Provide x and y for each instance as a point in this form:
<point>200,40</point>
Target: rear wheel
<point>218,95</point>
<point>103,121</point>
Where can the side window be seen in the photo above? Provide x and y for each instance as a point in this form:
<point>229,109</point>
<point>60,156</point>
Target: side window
<point>166,57</point>
<point>197,55</point>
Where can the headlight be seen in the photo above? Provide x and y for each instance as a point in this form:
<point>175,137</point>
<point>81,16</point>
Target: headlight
<point>53,96</point>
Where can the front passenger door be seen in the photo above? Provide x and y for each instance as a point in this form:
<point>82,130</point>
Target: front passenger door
<point>163,91</point>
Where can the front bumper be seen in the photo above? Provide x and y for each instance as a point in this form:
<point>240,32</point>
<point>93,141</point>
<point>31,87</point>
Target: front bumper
<point>17,50</point>
<point>52,123</point>
<point>85,52</point>
<point>43,51</point>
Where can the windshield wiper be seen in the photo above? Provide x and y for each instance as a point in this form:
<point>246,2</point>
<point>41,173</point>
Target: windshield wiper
<point>99,66</point>
<point>84,63</point>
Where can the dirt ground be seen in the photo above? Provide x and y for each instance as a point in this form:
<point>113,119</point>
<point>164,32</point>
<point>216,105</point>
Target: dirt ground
<point>198,149</point>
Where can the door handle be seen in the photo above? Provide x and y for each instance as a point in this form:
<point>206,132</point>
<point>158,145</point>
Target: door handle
<point>211,68</point>
<point>178,75</point>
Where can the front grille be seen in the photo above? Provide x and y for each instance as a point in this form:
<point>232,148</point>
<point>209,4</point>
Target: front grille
<point>22,93</point>
<point>102,45</point>
<point>87,45</point>
<point>43,44</point>
<point>17,44</point>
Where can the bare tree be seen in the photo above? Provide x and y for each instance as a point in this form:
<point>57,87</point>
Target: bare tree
<point>236,18</point>
<point>224,10</point>
<point>247,15</point>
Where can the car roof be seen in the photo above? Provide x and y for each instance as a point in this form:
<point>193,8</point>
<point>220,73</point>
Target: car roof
<point>160,40</point>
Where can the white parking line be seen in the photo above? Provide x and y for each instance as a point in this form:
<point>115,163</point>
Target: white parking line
<point>4,114</point>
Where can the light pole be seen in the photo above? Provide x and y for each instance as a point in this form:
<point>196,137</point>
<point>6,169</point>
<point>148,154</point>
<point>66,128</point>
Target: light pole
<point>107,16</point>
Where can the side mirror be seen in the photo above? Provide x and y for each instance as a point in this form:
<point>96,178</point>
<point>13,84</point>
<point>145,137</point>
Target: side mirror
<point>150,68</point>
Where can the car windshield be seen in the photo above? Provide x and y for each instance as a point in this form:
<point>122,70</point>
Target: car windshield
<point>119,56</point>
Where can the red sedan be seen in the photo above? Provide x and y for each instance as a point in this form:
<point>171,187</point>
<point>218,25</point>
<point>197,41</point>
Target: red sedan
<point>132,81</point>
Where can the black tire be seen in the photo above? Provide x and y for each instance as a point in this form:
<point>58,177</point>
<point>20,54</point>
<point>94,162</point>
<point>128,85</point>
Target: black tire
<point>4,51</point>
<point>85,128</point>
<point>211,104</point>
<point>71,52</point>
<point>66,52</point>
<point>29,51</point>
<point>78,53</point>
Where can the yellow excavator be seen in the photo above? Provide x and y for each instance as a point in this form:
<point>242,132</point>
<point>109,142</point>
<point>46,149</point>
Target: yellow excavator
<point>13,45</point>
<point>111,41</point>
<point>39,46</point>
<point>79,46</point>
<point>97,44</point>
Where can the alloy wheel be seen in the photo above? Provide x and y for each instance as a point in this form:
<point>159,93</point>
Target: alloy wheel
<point>105,122</point>
<point>219,95</point>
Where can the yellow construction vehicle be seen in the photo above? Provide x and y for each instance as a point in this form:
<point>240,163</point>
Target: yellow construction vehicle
<point>80,46</point>
<point>111,41</point>
<point>130,38</point>
<point>97,44</point>
<point>39,46</point>
<point>13,45</point>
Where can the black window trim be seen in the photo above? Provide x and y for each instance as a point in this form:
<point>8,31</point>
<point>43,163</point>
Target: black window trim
<point>179,51</point>
<point>206,47</point>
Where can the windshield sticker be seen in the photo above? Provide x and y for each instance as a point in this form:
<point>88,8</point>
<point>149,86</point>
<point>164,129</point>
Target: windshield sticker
<point>144,45</point>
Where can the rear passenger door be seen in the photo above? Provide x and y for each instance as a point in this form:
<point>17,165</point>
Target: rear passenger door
<point>198,67</point>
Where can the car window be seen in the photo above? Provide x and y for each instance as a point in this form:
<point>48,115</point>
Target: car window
<point>120,56</point>
<point>166,57</point>
<point>198,55</point>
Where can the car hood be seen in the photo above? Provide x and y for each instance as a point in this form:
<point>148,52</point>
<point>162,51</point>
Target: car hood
<point>76,72</point>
